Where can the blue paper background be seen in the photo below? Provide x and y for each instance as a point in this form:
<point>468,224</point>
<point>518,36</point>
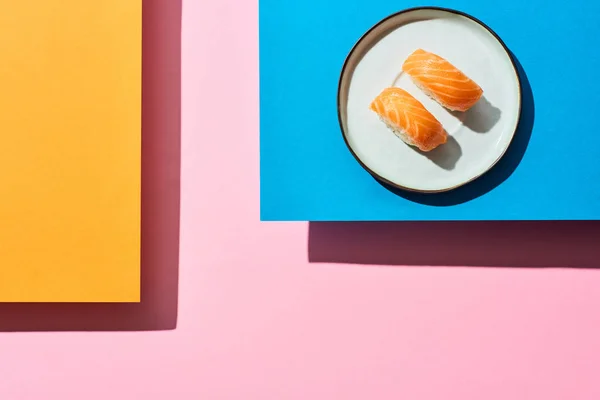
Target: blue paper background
<point>551,171</point>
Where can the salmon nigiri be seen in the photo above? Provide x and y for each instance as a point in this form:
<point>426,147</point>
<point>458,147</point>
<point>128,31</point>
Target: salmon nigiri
<point>442,81</point>
<point>409,119</point>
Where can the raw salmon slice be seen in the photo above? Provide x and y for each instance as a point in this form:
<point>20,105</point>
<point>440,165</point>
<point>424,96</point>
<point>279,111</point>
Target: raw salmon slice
<point>442,81</point>
<point>409,119</point>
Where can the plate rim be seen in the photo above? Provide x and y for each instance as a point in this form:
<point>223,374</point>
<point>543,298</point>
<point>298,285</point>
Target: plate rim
<point>363,37</point>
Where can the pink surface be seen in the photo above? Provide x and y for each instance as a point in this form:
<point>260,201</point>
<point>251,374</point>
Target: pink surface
<point>257,320</point>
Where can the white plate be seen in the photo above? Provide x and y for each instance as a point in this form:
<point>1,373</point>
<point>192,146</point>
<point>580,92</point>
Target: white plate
<point>478,137</point>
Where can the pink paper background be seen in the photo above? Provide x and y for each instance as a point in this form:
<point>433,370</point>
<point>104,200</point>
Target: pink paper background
<point>265,313</point>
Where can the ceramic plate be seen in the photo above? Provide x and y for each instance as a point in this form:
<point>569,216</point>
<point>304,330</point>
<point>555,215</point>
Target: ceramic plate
<point>477,138</point>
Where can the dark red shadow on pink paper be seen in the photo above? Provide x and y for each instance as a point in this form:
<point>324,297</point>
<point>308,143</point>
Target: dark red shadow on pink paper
<point>161,143</point>
<point>529,244</point>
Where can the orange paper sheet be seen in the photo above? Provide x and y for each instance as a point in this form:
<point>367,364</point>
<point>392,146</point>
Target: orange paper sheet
<point>70,150</point>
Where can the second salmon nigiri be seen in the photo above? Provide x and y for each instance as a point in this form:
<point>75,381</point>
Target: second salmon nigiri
<point>442,81</point>
<point>409,119</point>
